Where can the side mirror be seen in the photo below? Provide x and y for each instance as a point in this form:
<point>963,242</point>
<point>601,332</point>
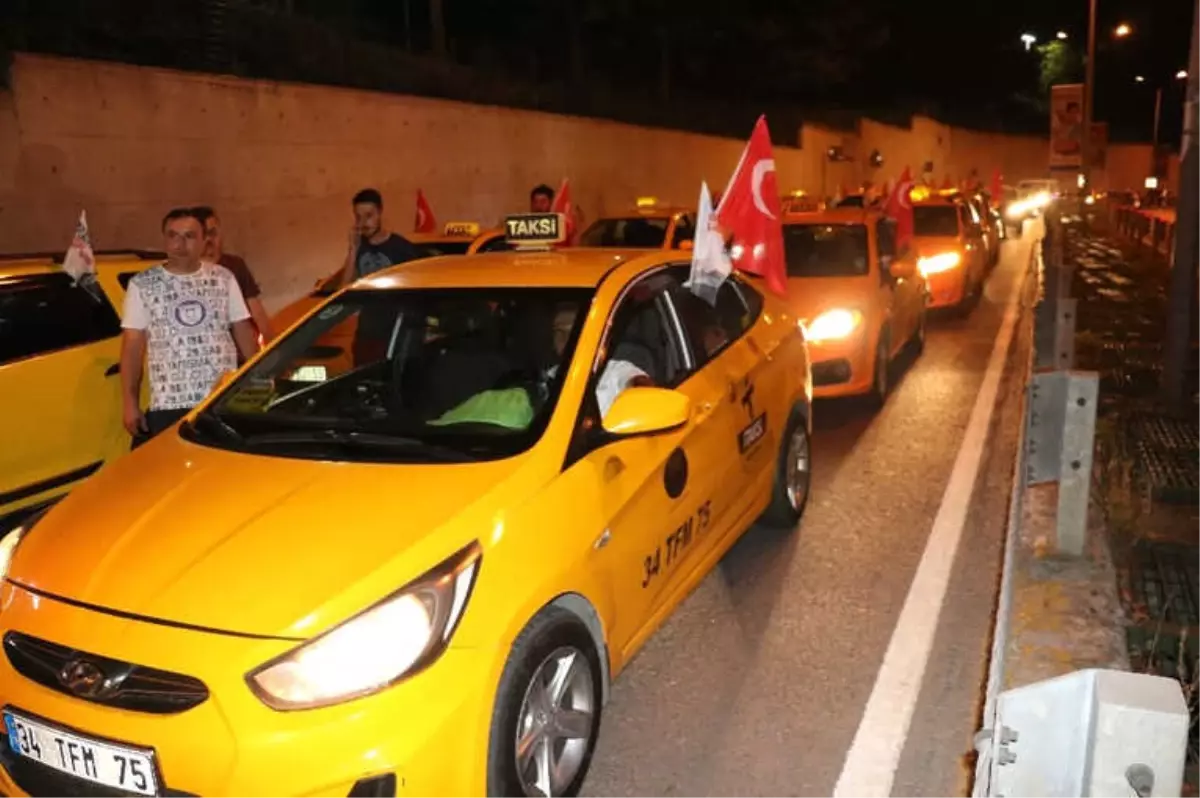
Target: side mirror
<point>902,268</point>
<point>687,245</point>
<point>646,411</point>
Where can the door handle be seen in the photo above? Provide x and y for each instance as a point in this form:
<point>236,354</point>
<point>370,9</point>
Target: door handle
<point>113,370</point>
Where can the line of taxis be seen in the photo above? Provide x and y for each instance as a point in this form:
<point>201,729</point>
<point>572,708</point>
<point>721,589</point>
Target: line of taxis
<point>416,567</point>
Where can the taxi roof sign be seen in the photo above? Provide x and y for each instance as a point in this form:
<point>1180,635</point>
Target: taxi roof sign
<point>647,202</point>
<point>535,230</point>
<point>470,229</point>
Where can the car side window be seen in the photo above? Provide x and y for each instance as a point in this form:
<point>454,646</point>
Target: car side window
<point>885,245</point>
<point>642,332</point>
<point>48,313</point>
<point>710,329</point>
<point>685,230</point>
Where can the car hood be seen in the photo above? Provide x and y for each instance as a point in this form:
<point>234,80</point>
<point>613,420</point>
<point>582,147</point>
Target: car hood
<point>809,296</point>
<point>254,544</point>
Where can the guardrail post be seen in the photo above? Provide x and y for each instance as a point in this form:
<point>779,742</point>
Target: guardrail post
<point>1060,420</point>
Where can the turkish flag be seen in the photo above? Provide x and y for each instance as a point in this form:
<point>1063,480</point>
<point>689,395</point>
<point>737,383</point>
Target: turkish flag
<point>425,223</point>
<point>749,211</point>
<point>562,204</point>
<point>997,187</point>
<point>899,207</point>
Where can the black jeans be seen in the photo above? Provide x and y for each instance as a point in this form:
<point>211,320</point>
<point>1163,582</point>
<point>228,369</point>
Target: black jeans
<point>157,421</point>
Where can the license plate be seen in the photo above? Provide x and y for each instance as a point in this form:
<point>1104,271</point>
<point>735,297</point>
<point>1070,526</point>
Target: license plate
<point>309,374</point>
<point>117,766</point>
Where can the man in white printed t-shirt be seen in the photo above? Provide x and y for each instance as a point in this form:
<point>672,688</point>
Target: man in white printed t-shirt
<point>188,320</point>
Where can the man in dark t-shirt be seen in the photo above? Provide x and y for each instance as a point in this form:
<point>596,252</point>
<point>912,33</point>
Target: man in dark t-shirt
<point>214,252</point>
<point>372,246</point>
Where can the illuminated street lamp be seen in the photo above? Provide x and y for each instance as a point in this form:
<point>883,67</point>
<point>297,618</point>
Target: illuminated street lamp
<point>1029,39</point>
<point>1122,31</point>
<point>1181,74</point>
<point>1062,34</point>
<point>1140,79</point>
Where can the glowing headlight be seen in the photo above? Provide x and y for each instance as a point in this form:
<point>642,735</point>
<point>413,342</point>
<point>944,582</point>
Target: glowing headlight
<point>1018,209</point>
<point>8,546</point>
<point>833,325</point>
<point>10,541</point>
<point>373,650</point>
<point>1089,200</point>
<point>935,264</point>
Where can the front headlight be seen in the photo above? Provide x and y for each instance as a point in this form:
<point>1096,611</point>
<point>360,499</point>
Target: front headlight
<point>1018,209</point>
<point>8,545</point>
<point>10,541</point>
<point>833,325</point>
<point>935,264</point>
<point>394,639</point>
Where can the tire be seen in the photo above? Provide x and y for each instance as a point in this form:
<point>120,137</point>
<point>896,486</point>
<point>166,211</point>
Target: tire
<point>553,635</point>
<point>787,504</point>
<point>881,383</point>
<point>918,340</point>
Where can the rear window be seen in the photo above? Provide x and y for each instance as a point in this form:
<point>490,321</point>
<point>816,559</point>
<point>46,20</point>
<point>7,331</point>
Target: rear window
<point>635,232</point>
<point>935,220</point>
<point>47,313</point>
<point>825,250</point>
<point>436,248</point>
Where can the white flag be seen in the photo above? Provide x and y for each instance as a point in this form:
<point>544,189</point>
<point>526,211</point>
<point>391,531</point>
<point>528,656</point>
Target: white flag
<point>80,260</point>
<point>710,262</point>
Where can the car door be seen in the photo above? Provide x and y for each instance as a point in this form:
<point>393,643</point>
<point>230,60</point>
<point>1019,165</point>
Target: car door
<point>734,371</point>
<point>60,393</point>
<point>654,491</point>
<point>901,296</point>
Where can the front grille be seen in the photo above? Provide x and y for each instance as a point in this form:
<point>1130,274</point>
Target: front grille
<point>120,684</point>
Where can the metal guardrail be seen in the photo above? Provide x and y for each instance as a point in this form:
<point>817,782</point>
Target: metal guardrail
<point>1152,227</point>
<point>1060,411</point>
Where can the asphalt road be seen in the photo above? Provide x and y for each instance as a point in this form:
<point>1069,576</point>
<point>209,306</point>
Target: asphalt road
<point>757,684</point>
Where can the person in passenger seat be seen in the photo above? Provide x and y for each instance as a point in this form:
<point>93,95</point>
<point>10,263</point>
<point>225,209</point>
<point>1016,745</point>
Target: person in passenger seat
<point>633,358</point>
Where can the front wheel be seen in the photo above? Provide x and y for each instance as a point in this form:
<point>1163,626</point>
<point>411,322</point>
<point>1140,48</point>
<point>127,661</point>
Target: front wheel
<point>793,476</point>
<point>547,712</point>
<point>881,383</point>
<point>918,339</point>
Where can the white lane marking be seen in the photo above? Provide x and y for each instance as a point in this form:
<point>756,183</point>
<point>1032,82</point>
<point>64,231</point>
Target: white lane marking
<point>874,755</point>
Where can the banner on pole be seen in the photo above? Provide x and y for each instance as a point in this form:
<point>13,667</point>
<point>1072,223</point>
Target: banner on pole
<point>1066,126</point>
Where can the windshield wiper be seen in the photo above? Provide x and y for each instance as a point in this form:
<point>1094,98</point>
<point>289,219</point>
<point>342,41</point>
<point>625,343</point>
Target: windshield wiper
<point>362,440</point>
<point>219,427</point>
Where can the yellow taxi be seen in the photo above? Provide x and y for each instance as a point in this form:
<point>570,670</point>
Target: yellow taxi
<point>421,574</point>
<point>860,301</point>
<point>456,238</point>
<point>649,225</point>
<point>60,393</point>
<point>952,248</point>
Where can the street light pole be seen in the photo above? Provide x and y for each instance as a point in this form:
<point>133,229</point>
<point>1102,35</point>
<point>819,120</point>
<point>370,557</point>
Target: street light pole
<point>1089,94</point>
<point>1154,139</point>
<point>1185,263</point>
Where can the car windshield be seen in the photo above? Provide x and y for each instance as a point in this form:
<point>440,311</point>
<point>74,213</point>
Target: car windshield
<point>853,201</point>
<point>431,375</point>
<point>935,220</point>
<point>636,232</point>
<point>825,250</point>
